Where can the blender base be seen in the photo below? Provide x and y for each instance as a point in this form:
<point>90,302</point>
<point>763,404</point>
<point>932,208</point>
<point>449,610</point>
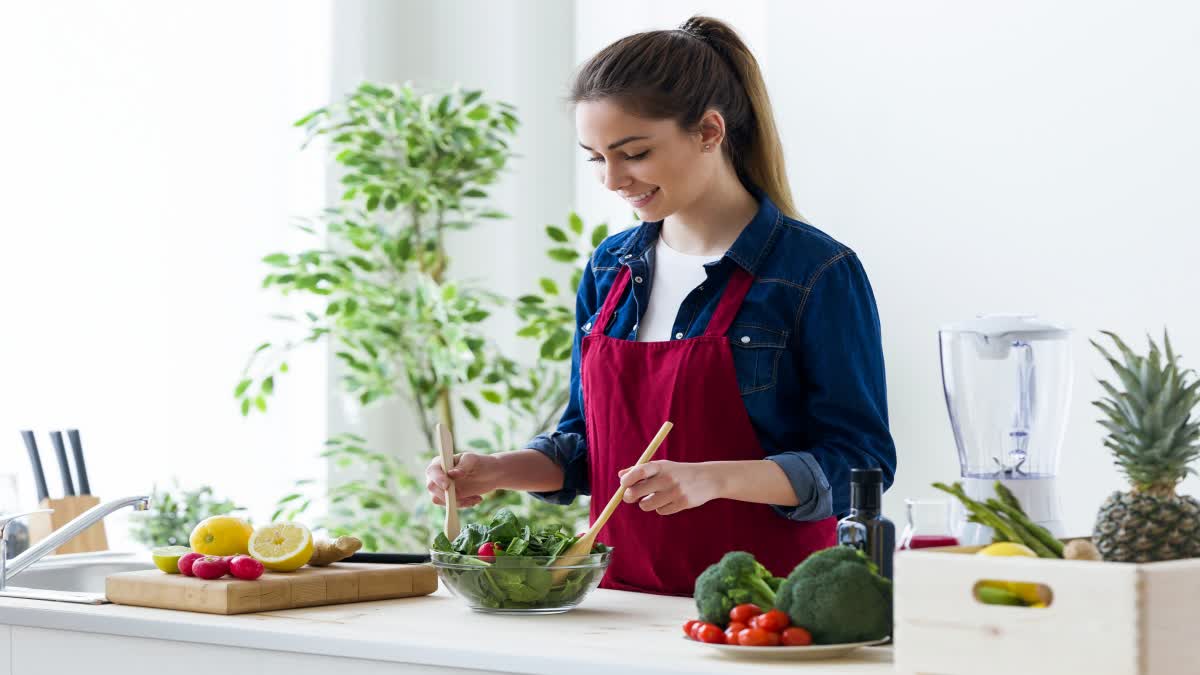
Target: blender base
<point>1038,497</point>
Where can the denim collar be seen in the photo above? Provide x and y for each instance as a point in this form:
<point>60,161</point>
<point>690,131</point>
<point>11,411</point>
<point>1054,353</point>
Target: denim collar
<point>748,250</point>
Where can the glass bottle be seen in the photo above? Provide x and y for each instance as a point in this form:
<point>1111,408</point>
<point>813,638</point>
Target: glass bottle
<point>866,528</point>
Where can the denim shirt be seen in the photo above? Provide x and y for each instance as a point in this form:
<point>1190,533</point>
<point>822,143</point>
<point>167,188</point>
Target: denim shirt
<point>806,347</point>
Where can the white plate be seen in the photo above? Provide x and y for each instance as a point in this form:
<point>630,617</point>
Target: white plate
<point>809,653</point>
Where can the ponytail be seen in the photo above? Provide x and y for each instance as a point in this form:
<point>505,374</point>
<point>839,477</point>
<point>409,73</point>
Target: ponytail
<point>679,74</point>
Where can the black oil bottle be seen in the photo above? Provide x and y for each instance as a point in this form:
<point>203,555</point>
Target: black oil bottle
<point>866,528</point>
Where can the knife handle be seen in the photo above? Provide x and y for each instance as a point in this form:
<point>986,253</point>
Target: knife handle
<point>39,478</point>
<point>60,451</point>
<point>80,469</point>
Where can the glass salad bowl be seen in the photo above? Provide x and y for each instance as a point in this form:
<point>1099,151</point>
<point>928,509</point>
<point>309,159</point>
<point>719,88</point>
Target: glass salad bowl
<point>520,584</point>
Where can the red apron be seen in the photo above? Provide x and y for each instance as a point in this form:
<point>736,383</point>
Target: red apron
<point>629,389</point>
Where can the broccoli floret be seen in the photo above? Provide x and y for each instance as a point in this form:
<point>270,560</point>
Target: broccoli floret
<point>838,596</point>
<point>738,578</point>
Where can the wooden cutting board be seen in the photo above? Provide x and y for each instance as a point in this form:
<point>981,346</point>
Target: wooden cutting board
<point>306,587</point>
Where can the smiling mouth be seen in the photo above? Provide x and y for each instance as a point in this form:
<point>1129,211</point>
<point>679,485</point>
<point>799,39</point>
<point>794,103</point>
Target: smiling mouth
<point>641,198</point>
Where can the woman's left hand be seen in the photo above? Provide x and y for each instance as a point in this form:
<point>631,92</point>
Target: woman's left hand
<point>669,487</point>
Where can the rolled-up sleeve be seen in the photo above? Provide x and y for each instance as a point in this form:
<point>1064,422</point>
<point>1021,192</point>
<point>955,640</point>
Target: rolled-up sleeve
<point>567,445</point>
<point>839,349</point>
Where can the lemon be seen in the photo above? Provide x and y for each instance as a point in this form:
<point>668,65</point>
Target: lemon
<point>282,547</point>
<point>221,535</point>
<point>1007,548</point>
<point>1029,593</point>
<point>166,558</point>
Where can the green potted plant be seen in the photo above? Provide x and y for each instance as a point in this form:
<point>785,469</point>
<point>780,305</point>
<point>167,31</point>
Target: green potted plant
<point>415,166</point>
<point>173,514</point>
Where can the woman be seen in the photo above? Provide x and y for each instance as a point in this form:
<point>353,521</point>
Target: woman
<point>753,332</point>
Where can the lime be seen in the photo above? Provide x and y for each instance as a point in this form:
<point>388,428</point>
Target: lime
<point>166,558</point>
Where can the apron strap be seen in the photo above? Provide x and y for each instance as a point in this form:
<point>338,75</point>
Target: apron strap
<point>731,301</point>
<point>611,301</point>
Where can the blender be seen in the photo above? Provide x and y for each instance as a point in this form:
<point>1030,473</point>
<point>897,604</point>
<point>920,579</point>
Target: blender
<point>1007,380</point>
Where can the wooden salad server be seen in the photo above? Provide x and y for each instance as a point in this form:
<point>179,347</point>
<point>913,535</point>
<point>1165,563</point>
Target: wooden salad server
<point>584,545</point>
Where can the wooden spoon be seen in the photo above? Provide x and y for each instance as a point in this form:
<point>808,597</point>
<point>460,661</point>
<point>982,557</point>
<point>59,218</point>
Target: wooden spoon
<point>446,447</point>
<point>584,545</point>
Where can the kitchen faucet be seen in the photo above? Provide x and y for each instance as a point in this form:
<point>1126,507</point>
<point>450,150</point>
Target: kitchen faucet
<point>58,537</point>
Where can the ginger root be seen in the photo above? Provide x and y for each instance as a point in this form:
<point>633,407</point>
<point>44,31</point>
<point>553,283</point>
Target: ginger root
<point>1081,549</point>
<point>326,552</point>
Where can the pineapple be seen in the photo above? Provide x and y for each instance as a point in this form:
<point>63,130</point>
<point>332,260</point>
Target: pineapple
<point>1153,437</point>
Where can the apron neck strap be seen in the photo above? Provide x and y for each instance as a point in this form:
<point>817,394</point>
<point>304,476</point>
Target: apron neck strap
<point>611,301</point>
<point>731,301</point>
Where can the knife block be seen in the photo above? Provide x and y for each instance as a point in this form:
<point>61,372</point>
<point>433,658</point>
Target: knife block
<point>65,510</point>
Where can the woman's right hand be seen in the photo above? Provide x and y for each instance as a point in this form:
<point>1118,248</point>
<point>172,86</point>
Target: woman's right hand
<point>473,474</point>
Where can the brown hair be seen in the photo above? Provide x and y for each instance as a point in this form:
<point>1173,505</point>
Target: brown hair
<point>679,74</point>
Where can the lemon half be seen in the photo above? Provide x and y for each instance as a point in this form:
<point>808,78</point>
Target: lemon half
<point>281,547</point>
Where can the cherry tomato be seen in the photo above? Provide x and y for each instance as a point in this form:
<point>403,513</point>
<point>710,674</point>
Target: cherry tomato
<point>710,633</point>
<point>731,632</point>
<point>753,637</point>
<point>796,637</point>
<point>743,613</point>
<point>701,624</point>
<point>773,621</point>
<point>687,627</point>
<point>487,551</point>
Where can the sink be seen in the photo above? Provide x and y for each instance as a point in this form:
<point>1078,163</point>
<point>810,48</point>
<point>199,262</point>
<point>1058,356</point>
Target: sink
<point>74,577</point>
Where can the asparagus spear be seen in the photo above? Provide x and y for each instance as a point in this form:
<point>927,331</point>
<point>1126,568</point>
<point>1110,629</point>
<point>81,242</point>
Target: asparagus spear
<point>984,515</point>
<point>1008,497</point>
<point>1036,532</point>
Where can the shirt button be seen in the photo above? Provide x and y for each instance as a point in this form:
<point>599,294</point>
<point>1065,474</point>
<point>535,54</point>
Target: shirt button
<point>637,280</point>
<point>745,339</point>
<point>679,336</point>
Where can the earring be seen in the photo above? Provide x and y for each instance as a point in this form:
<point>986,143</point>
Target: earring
<point>707,148</point>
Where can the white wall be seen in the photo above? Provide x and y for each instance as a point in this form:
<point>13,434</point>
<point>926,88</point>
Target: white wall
<point>1021,156</point>
<point>148,164</point>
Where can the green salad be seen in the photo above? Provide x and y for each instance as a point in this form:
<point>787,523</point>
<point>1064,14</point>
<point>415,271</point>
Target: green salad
<point>505,565</point>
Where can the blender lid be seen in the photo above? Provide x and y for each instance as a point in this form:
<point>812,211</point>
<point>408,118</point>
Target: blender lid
<point>1028,326</point>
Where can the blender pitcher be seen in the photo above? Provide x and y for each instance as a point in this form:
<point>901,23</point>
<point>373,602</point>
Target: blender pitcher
<point>1007,380</point>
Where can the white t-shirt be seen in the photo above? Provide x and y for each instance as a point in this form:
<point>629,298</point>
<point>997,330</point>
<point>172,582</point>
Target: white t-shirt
<point>675,275</point>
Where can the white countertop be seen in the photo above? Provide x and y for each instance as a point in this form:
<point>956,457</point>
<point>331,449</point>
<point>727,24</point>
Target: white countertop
<point>612,631</point>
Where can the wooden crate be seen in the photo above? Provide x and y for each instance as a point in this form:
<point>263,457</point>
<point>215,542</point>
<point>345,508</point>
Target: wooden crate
<point>1118,618</point>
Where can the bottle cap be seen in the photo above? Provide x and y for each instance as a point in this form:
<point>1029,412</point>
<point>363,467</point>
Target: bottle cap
<point>866,477</point>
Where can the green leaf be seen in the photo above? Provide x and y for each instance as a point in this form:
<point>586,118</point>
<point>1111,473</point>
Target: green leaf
<point>575,223</point>
<point>548,286</point>
<point>490,396</point>
<point>260,403</point>
<point>277,259</point>
<point>268,385</point>
<point>563,254</point>
<point>472,407</point>
<point>242,387</point>
<point>478,112</point>
<point>475,316</point>
<point>599,235</point>
<point>245,407</point>
<point>556,234</point>
<point>263,346</point>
